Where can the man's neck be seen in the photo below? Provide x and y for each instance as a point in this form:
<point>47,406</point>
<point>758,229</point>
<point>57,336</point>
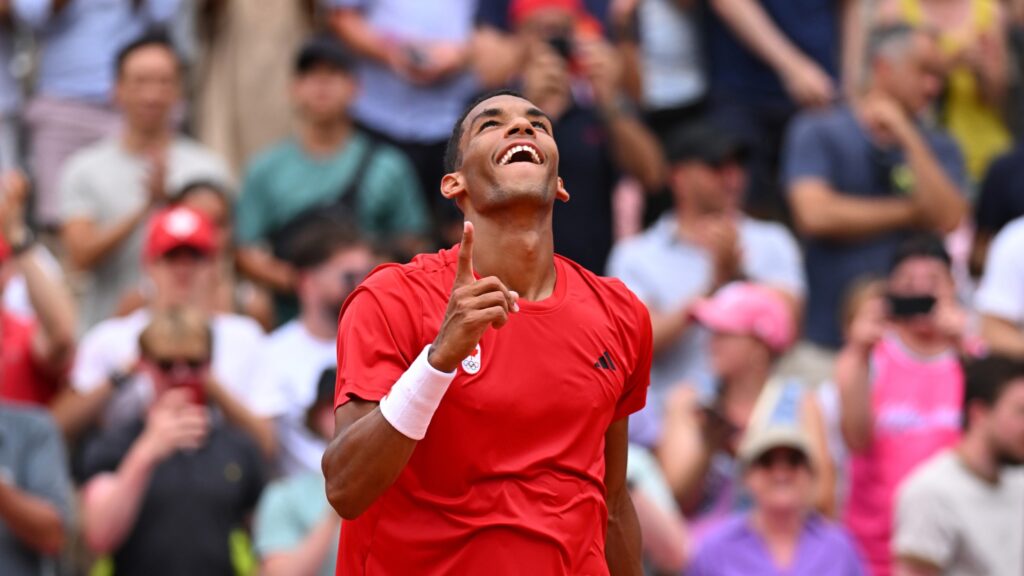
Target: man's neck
<point>139,141</point>
<point>317,324</point>
<point>326,138</point>
<point>977,456</point>
<point>519,250</point>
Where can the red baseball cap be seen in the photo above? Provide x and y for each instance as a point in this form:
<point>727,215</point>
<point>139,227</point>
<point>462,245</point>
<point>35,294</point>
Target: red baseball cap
<point>5,250</point>
<point>520,10</point>
<point>749,309</point>
<point>176,227</point>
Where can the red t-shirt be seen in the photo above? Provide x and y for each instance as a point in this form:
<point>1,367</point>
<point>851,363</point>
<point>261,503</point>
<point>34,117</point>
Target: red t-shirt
<point>22,379</point>
<point>510,475</point>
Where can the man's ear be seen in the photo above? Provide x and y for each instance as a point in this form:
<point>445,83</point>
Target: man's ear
<point>561,193</point>
<point>453,185</point>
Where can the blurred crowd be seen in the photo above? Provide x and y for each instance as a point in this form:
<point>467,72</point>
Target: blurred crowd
<point>821,203</point>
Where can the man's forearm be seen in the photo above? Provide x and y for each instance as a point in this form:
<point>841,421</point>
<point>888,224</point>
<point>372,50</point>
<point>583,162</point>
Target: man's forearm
<point>74,411</point>
<point>667,328</point>
<point>351,26</point>
<point>855,418</point>
<point>34,522</point>
<point>943,203</point>
<point>623,548</point>
<point>111,502</point>
<point>1002,336</point>
<point>819,211</point>
<point>54,307</point>
<point>264,268</point>
<point>88,247</point>
<point>635,149</point>
<point>755,29</point>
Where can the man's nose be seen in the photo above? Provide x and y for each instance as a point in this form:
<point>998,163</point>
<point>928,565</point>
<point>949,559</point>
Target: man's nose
<point>520,126</point>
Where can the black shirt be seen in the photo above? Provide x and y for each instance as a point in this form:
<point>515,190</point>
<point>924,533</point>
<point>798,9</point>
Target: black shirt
<point>193,503</point>
<point>583,226</point>
<point>1002,193</point>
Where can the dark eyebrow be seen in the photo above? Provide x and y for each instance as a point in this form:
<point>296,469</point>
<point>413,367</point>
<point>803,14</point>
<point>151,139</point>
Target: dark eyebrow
<point>495,112</point>
<point>487,113</point>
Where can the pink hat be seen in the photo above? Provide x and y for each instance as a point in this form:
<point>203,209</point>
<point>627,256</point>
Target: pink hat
<point>750,309</point>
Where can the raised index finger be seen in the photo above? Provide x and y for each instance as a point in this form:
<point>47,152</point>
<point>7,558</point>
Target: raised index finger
<point>464,270</point>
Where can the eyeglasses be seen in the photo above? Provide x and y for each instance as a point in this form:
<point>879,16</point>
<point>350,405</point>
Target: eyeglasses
<point>169,365</point>
<point>772,458</point>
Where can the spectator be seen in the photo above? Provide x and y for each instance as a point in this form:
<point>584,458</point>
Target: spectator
<point>673,82</point>
<point>767,59</point>
<point>604,137</point>
<point>331,261</point>
<point>108,383</point>
<point>71,108</point>
<point>36,354</point>
<point>10,93</point>
<point>781,534</point>
<point>900,388</point>
<point>998,299</point>
<point>36,496</point>
<point>960,512</point>
<point>665,541</point>
<point>243,72</point>
<point>414,81</point>
<point>232,294</point>
<point>974,44</point>
<point>163,493</point>
<point>110,188</point>
<point>296,530</point>
<point>1000,201</point>
<point>331,167</point>
<point>751,326</point>
<point>861,178</point>
<point>705,243</point>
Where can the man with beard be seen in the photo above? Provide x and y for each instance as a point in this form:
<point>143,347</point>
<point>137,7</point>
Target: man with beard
<point>483,391</point>
<point>330,260</point>
<point>960,513</point>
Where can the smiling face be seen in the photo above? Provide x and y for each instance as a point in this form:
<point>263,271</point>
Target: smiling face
<point>507,156</point>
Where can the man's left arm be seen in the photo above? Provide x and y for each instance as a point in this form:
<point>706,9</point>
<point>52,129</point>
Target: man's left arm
<point>634,148</point>
<point>623,546</point>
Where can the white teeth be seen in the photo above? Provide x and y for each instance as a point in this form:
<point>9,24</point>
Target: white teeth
<point>511,152</point>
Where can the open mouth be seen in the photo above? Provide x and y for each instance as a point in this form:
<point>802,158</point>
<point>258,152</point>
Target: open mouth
<point>521,153</point>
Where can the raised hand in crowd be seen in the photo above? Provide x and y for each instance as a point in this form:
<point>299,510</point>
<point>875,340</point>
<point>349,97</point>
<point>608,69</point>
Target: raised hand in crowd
<point>174,423</point>
<point>719,236</point>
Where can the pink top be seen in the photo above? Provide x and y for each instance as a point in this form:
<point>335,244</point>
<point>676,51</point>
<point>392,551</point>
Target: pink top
<point>916,407</point>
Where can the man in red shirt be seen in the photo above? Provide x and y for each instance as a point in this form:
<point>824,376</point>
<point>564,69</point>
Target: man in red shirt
<point>522,469</point>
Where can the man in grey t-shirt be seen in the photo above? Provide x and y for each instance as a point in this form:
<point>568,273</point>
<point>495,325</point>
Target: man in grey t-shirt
<point>109,190</point>
<point>35,491</point>
<point>962,513</point>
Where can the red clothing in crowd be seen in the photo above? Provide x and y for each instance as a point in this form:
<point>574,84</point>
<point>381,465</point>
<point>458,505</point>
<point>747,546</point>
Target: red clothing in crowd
<point>511,471</point>
<point>22,378</point>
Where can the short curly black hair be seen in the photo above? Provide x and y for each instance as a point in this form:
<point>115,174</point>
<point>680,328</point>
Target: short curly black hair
<point>452,152</point>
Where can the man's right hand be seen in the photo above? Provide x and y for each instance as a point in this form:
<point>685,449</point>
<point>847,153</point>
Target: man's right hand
<point>809,85</point>
<point>473,306</point>
<point>868,325</point>
<point>156,176</point>
<point>885,120</point>
<point>175,423</point>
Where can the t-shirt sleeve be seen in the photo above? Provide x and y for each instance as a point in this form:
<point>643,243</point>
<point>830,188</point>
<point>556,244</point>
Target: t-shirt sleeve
<point>91,366</point>
<point>924,525</point>
<point>250,222</point>
<point>377,342</point>
<point>779,262</point>
<point>1001,292</point>
<point>277,527</point>
<point>46,472</point>
<point>393,196</point>
<point>634,393</point>
<point>805,153</point>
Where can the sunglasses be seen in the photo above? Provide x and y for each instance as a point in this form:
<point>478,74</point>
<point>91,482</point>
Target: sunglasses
<point>170,365</point>
<point>790,458</point>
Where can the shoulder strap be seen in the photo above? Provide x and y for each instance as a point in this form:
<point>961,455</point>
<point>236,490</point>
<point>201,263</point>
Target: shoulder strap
<point>347,198</point>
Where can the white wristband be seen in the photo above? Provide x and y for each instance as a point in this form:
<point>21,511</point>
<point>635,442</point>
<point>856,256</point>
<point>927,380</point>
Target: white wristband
<point>412,401</point>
